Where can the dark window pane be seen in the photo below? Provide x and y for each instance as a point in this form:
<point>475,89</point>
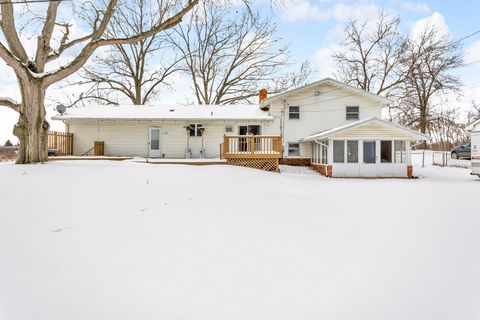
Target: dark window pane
<point>338,151</point>
<point>386,151</point>
<point>294,112</point>
<point>369,151</point>
<point>352,151</point>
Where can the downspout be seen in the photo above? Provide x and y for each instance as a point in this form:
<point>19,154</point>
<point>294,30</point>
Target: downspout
<point>282,123</point>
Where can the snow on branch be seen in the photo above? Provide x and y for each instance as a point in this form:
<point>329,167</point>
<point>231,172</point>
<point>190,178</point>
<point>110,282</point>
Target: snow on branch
<point>7,102</point>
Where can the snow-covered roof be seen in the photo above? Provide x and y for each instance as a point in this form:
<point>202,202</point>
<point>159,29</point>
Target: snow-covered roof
<point>328,133</point>
<point>165,112</point>
<point>327,81</point>
<point>472,125</point>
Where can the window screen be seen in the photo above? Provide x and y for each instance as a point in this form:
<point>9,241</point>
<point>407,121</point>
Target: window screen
<point>352,151</point>
<point>338,151</point>
<point>400,149</point>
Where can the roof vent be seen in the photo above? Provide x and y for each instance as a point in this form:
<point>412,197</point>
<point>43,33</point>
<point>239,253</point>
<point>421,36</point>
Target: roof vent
<point>171,110</point>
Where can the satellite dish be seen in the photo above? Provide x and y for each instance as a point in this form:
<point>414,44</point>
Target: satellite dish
<point>61,109</point>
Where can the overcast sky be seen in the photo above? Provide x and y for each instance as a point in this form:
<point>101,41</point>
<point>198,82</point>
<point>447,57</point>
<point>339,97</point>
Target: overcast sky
<point>314,28</point>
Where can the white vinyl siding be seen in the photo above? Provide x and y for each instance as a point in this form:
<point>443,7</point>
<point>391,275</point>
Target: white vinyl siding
<point>130,138</point>
<point>318,113</point>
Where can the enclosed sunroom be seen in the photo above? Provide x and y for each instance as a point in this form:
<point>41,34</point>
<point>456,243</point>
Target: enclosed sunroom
<point>367,148</point>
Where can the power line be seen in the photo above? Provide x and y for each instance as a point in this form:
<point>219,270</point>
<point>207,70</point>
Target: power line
<point>470,63</point>
<point>467,36</point>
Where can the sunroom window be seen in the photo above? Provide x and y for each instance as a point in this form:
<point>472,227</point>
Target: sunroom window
<point>386,151</point>
<point>400,152</point>
<point>352,151</point>
<point>338,151</point>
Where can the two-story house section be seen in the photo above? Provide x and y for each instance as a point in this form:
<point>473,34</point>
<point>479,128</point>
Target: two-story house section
<point>339,128</point>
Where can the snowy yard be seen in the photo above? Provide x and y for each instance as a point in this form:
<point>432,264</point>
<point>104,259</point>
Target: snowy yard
<point>124,240</point>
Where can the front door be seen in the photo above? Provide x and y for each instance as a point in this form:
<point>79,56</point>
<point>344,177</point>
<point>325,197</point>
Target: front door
<point>154,143</point>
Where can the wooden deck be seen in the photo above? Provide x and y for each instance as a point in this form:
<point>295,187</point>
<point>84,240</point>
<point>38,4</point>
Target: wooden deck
<point>252,147</point>
<point>259,152</point>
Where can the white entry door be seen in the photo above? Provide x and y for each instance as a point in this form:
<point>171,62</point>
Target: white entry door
<point>154,143</point>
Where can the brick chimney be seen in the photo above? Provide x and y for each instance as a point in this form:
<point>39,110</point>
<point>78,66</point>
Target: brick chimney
<point>262,95</point>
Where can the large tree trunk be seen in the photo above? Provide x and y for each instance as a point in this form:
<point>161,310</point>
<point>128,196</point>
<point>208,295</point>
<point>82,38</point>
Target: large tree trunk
<point>32,127</point>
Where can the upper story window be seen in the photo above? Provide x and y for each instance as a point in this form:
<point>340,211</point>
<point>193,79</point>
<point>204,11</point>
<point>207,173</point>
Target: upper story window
<point>353,113</point>
<point>293,112</point>
<point>196,129</point>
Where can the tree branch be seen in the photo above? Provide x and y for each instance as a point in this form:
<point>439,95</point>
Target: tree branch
<point>10,33</point>
<point>9,103</point>
<point>96,42</point>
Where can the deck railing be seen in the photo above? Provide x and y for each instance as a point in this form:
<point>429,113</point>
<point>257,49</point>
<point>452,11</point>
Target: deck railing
<point>61,141</point>
<point>252,147</point>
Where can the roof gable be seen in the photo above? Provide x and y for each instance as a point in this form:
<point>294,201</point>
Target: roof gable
<point>472,125</point>
<point>372,121</point>
<point>327,81</point>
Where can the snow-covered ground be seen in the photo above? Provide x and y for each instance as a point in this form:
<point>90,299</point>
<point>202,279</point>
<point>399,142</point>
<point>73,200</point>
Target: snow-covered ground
<point>125,240</point>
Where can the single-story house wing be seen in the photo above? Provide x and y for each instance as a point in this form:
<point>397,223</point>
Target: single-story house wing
<point>370,147</point>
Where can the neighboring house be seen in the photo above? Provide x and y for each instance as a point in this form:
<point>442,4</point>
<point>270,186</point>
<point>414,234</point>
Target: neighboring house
<point>336,127</point>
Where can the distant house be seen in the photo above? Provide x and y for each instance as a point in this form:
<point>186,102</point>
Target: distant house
<point>333,126</point>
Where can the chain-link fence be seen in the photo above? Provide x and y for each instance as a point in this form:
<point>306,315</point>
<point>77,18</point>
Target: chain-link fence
<point>444,159</point>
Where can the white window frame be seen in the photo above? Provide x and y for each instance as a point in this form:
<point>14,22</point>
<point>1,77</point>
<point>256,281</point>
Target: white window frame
<point>196,131</point>
<point>249,124</point>
<point>347,113</point>
<point>288,149</point>
<point>293,112</point>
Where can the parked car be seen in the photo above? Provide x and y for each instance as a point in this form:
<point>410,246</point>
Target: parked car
<point>464,151</point>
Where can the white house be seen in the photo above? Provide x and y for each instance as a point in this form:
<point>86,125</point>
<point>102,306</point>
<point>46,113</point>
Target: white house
<point>335,127</point>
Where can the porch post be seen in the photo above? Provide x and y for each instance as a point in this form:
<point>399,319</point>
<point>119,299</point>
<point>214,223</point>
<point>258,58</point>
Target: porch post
<point>330,152</point>
<point>408,150</point>
<point>360,151</point>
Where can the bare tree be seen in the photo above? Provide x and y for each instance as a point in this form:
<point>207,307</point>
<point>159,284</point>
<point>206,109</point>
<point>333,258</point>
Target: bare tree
<point>33,77</point>
<point>125,72</point>
<point>229,57</point>
<point>371,56</point>
<point>474,113</point>
<point>431,58</point>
